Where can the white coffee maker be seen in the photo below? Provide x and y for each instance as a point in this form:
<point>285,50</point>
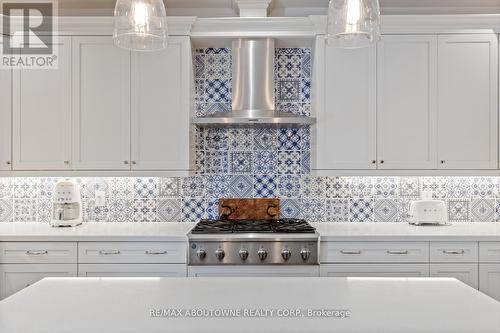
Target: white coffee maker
<point>66,205</point>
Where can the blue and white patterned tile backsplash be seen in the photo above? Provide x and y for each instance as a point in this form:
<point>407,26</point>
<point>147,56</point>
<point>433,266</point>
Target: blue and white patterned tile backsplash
<point>324,199</point>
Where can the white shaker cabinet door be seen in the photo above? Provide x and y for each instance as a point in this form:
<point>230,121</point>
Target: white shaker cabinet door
<point>42,114</point>
<point>101,104</point>
<point>5,118</point>
<point>346,110</point>
<point>489,280</point>
<point>161,92</point>
<point>467,102</point>
<point>407,102</point>
<point>467,273</point>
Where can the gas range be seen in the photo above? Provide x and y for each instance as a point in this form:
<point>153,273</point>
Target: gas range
<point>253,242</point>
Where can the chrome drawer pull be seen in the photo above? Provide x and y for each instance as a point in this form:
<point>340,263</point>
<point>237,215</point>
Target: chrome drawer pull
<point>156,252</point>
<point>104,253</point>
<point>397,252</point>
<point>454,252</point>
<point>350,251</point>
<point>37,253</point>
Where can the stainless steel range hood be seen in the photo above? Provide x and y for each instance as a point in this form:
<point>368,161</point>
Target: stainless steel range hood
<point>253,88</point>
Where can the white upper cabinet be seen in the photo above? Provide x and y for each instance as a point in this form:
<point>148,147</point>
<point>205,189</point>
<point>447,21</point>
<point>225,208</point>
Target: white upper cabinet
<point>5,118</point>
<point>346,112</point>
<point>467,102</point>
<point>42,115</point>
<point>407,102</point>
<point>101,105</point>
<point>161,107</point>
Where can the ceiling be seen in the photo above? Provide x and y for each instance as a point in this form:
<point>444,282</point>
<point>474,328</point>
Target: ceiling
<point>209,8</point>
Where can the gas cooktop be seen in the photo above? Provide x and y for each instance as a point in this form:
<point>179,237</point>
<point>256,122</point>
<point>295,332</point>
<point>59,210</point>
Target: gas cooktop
<point>296,226</point>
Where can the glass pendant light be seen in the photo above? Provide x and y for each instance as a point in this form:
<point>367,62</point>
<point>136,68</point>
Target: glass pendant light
<point>140,25</point>
<point>353,23</point>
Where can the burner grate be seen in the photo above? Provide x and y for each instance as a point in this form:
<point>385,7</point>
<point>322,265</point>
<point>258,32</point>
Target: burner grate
<point>252,226</point>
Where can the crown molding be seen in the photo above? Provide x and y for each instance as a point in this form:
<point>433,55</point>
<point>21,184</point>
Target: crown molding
<point>252,8</point>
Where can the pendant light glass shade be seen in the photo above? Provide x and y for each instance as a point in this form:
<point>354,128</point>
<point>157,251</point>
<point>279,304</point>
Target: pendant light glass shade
<point>140,25</point>
<point>353,23</point>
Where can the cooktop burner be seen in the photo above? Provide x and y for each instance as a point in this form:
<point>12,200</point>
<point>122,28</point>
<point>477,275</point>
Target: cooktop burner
<point>252,226</point>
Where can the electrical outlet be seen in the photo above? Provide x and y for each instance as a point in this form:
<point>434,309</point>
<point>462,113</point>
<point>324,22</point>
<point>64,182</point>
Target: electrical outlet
<point>100,198</point>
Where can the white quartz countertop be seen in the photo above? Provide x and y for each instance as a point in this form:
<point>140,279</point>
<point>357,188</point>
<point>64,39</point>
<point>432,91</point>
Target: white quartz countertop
<point>395,231</point>
<point>123,305</point>
<point>96,231</point>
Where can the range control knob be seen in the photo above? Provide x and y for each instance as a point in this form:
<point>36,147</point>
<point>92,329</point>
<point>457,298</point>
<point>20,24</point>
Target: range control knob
<point>262,253</point>
<point>201,254</point>
<point>305,253</point>
<point>286,254</point>
<point>219,253</point>
<point>243,254</point>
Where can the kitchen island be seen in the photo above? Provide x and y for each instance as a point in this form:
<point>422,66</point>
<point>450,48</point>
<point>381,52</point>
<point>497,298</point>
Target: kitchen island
<point>146,305</point>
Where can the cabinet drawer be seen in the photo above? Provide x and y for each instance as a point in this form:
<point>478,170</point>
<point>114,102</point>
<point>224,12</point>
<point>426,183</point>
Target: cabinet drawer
<point>454,252</point>
<point>132,270</point>
<point>132,252</point>
<point>489,251</point>
<point>38,252</point>
<point>390,252</point>
<point>374,270</point>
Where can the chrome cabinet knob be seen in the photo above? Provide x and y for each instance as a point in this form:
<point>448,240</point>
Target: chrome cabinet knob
<point>220,254</point>
<point>305,254</point>
<point>286,254</point>
<point>201,254</point>
<point>243,254</point>
<point>262,253</point>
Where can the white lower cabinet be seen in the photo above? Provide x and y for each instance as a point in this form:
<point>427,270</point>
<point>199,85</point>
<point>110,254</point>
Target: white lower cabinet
<point>467,273</point>
<point>489,280</point>
<point>132,270</point>
<point>14,277</point>
<point>253,271</point>
<point>374,270</point>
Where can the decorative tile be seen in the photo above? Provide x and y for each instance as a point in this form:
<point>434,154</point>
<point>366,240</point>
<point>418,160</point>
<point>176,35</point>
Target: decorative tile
<point>305,90</point>
<point>306,65</point>
<point>211,108</point>
<point>212,211</point>
<point>361,210</point>
<point>313,209</point>
<point>25,210</point>
<point>93,213</point>
<point>337,187</point>
<point>288,90</point>
<point>199,66</point>
<point>241,162</point>
<point>436,185</point>
<point>409,187</point>
<point>146,188</point>
<point>121,210</point>
<point>216,162</point>
<point>497,210</point>
<point>289,162</point>
<point>337,210</point>
<point>145,210</point>
<point>199,164</point>
<point>46,187</point>
<point>386,210</point>
<point>265,162</point>
<point>458,187</point>
<point>5,188</point>
<point>483,187</point>
<point>215,50</point>
<point>288,66</point>
<point>6,210</point>
<point>458,210</point>
<point>217,139</point>
<point>241,139</point>
<point>241,186</point>
<point>289,107</point>
<point>217,186</point>
<point>264,186</point>
<point>305,136</point>
<point>361,187</point>
<point>289,186</point>
<point>25,188</point>
<point>193,210</point>
<point>404,209</point>
<point>218,66</point>
<point>289,139</point>
<point>169,210</point>
<point>305,162</point>
<point>91,185</point>
<point>386,187</point>
<point>290,208</point>
<point>44,210</point>
<point>193,187</point>
<point>217,91</point>
<point>199,92</point>
<point>265,138</point>
<point>483,210</point>
<point>305,109</point>
<point>170,187</point>
<point>121,187</point>
<point>312,187</point>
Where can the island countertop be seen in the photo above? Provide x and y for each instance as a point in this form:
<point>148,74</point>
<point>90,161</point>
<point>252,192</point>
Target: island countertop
<point>146,305</point>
